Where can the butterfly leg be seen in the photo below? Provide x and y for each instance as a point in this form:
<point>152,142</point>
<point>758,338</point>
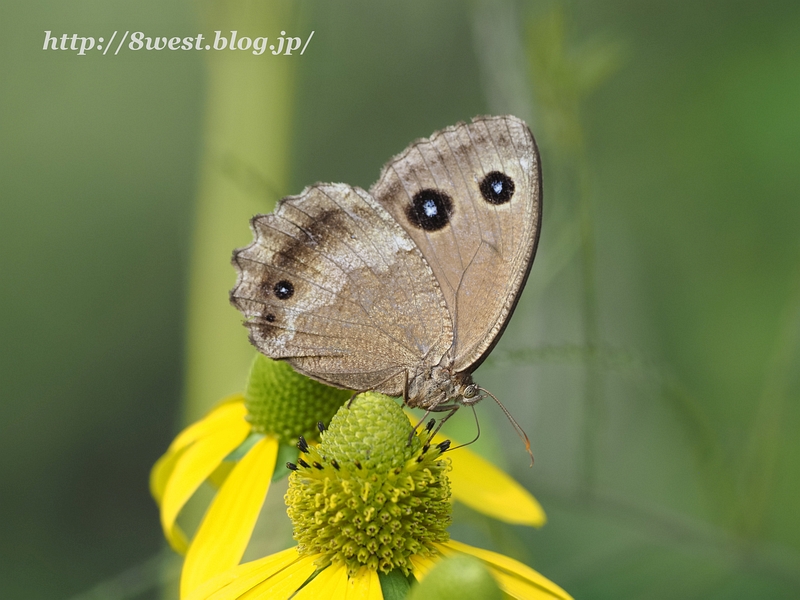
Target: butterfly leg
<point>477,435</point>
<point>440,408</point>
<point>413,431</point>
<point>450,409</point>
<point>353,397</point>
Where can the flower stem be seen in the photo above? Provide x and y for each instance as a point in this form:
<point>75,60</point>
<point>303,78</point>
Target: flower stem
<point>243,170</point>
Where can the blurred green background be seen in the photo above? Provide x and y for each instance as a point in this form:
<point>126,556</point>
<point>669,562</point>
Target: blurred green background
<point>653,359</point>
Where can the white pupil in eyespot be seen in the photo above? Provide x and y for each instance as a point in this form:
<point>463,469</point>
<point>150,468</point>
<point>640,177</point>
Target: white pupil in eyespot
<point>430,208</point>
<point>497,186</point>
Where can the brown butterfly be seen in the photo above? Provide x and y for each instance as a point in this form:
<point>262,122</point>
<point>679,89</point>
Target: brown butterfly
<point>404,289</point>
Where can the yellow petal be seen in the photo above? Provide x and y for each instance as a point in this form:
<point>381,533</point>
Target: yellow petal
<point>516,579</point>
<point>192,466</point>
<point>220,474</point>
<point>229,411</point>
<point>523,589</point>
<point>283,584</point>
<point>364,586</point>
<point>422,564</point>
<point>231,408</point>
<point>480,485</point>
<point>329,584</point>
<point>228,524</point>
<point>161,472</point>
<point>236,581</point>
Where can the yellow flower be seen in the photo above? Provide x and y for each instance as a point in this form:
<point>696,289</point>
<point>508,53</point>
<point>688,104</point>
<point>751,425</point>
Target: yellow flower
<point>241,445</point>
<point>283,574</point>
<point>367,505</point>
<point>236,447</point>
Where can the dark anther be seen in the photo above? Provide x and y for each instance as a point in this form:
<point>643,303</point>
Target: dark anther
<point>302,444</point>
<point>302,463</point>
<point>358,463</point>
<point>425,448</point>
<point>317,465</point>
<point>291,466</point>
<point>420,458</point>
<point>321,426</point>
<point>335,464</point>
<point>430,425</point>
<point>443,446</point>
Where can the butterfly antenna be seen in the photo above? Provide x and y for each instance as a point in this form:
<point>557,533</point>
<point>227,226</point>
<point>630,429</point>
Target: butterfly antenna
<point>520,432</point>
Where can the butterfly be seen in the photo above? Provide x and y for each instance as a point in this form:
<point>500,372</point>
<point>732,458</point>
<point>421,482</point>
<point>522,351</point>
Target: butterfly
<point>403,289</point>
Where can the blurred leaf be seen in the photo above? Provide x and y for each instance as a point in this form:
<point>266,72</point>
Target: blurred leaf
<point>394,585</point>
<point>563,74</point>
<point>457,577</point>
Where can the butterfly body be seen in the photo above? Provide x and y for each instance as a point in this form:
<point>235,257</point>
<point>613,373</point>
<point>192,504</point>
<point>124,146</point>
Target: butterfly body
<point>403,289</point>
<point>439,386</point>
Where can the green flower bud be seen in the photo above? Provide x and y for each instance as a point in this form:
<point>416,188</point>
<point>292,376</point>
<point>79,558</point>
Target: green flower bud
<point>284,403</point>
<point>457,577</point>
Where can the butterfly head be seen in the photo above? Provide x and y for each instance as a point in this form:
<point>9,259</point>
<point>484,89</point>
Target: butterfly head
<point>470,394</point>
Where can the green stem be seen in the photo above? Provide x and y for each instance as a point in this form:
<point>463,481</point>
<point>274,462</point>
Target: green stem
<point>761,460</point>
<point>594,381</point>
<point>244,168</point>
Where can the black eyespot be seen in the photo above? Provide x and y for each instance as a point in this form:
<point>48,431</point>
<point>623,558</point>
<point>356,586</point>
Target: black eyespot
<point>269,318</point>
<point>497,188</point>
<point>430,210</point>
<point>283,289</point>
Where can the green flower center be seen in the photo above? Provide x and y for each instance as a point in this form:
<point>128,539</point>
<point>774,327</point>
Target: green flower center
<point>365,496</point>
<point>284,403</point>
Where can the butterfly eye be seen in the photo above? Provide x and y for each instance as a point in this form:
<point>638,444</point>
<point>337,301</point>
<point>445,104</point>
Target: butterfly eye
<point>470,391</point>
<point>497,188</point>
<point>430,210</point>
<point>283,290</point>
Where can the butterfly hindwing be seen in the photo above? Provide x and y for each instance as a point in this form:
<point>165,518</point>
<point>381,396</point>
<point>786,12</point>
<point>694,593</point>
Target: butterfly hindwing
<point>335,286</point>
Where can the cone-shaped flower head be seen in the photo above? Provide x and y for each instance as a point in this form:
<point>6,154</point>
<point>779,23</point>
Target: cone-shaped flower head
<point>371,494</point>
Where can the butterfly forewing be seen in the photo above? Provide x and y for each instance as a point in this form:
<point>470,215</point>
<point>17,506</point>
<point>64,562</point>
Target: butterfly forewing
<point>470,198</point>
